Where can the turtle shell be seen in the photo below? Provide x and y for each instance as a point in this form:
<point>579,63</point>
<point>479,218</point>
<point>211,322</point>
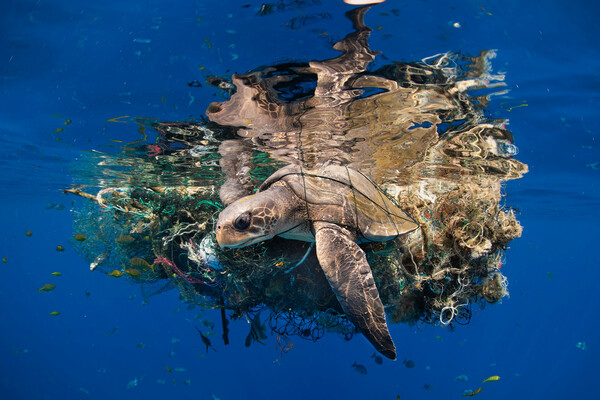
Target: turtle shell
<point>373,214</point>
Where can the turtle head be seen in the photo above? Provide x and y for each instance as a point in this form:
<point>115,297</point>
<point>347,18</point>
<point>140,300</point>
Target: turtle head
<point>253,219</point>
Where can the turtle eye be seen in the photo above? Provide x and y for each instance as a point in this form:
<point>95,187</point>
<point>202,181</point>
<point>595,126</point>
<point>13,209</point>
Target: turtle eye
<point>242,222</point>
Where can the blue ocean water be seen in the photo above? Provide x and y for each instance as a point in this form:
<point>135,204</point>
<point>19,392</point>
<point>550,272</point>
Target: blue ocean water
<point>69,67</point>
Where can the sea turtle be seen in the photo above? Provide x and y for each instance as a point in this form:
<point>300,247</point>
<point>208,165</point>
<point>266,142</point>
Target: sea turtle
<point>336,207</point>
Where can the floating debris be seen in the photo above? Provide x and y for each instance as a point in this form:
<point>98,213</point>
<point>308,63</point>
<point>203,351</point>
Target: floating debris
<point>361,369</point>
<point>48,287</point>
<point>257,333</point>
<point>205,340</point>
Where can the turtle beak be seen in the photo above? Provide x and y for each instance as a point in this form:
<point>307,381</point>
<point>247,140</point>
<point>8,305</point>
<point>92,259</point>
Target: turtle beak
<point>219,235</point>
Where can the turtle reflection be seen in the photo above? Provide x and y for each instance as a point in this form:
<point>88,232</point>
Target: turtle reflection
<point>424,146</point>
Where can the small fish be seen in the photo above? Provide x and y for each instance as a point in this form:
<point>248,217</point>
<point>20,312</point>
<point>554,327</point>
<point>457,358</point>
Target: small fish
<point>140,345</point>
<point>113,331</point>
<point>377,358</point>
<point>439,338</point>
<point>169,369</point>
<point>187,382</point>
<point>205,340</point>
<point>141,263</point>
<point>161,381</point>
<point>28,233</point>
<point>56,273</point>
<point>408,363</point>
<point>4,260</point>
<point>59,130</point>
<point>80,237</point>
<point>84,390</point>
<point>361,369</point>
<point>461,378</point>
<point>493,378</point>
<point>60,248</point>
<point>132,383</point>
<point>125,239</point>
<point>581,345</point>
<point>175,340</point>
<point>257,331</point>
<point>48,287</point>
<point>428,386</point>
<point>466,393</point>
<point>98,260</point>
<point>116,273</point>
<point>134,273</point>
<point>208,323</point>
<point>179,369</point>
<point>171,354</point>
<point>54,313</point>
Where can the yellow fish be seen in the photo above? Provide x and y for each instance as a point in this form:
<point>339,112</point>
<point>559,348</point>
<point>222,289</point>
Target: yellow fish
<point>141,263</point>
<point>48,287</point>
<point>116,273</point>
<point>473,393</point>
<point>4,260</point>
<point>133,272</point>
<point>125,239</point>
<point>60,248</point>
<point>169,369</point>
<point>80,237</point>
<point>28,233</point>
<point>56,273</point>
<point>54,313</point>
<point>492,379</point>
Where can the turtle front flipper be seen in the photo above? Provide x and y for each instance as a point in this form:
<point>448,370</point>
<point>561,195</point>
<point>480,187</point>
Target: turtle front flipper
<point>349,274</point>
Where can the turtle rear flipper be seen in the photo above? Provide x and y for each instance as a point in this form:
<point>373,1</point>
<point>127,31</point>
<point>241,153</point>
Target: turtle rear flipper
<point>349,274</point>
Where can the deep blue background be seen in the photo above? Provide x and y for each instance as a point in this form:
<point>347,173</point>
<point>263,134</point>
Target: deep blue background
<point>80,61</point>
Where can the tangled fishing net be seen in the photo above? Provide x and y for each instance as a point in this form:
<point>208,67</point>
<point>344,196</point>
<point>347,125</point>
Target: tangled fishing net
<point>425,140</point>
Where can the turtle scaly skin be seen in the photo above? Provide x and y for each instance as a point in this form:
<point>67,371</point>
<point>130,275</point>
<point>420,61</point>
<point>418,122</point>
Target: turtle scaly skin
<point>337,208</point>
